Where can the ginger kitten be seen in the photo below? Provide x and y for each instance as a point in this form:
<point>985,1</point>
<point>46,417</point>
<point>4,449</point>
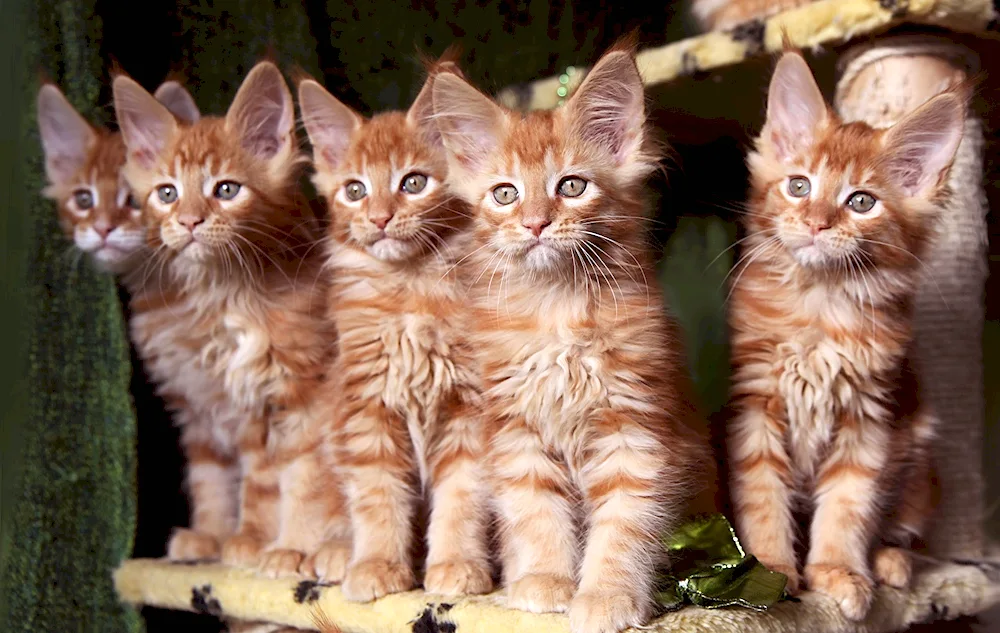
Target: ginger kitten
<point>83,165</point>
<point>233,327</point>
<point>405,381</point>
<point>828,414</point>
<point>592,451</point>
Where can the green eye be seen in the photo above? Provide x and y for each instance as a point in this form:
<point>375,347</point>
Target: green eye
<point>167,194</point>
<point>83,199</point>
<point>861,202</point>
<point>414,183</point>
<point>356,190</point>
<point>799,187</point>
<point>227,190</point>
<point>505,194</point>
<point>572,186</point>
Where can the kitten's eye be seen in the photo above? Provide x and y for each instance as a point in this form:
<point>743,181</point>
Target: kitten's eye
<point>799,187</point>
<point>572,186</point>
<point>414,183</point>
<point>227,190</point>
<point>355,190</point>
<point>83,199</point>
<point>504,194</point>
<point>167,193</point>
<point>131,202</point>
<point>861,202</point>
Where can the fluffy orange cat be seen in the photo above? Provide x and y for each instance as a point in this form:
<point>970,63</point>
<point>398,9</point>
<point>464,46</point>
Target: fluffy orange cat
<point>725,14</point>
<point>83,165</point>
<point>592,450</point>
<point>232,324</point>
<point>828,416</point>
<point>405,382</point>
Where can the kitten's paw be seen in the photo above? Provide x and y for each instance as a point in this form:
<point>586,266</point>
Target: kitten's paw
<point>328,563</point>
<point>242,551</point>
<point>541,593</point>
<point>458,578</point>
<point>371,579</point>
<point>893,566</point>
<point>606,611</point>
<point>852,591</point>
<point>794,582</point>
<point>188,545</point>
<point>280,563</point>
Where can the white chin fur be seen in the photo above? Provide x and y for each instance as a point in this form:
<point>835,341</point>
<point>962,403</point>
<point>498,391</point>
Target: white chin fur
<point>389,249</point>
<point>814,255</point>
<point>542,257</point>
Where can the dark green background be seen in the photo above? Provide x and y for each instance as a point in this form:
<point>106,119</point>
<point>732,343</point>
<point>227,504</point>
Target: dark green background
<point>69,436</point>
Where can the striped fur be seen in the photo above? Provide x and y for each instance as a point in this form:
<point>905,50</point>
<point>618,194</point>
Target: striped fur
<point>593,443</point>
<point>408,422</point>
<point>828,417</point>
<point>231,321</point>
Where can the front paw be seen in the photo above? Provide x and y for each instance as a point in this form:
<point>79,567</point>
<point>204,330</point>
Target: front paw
<point>371,579</point>
<point>458,578</point>
<point>188,545</point>
<point>893,566</point>
<point>328,563</point>
<point>541,593</point>
<point>242,551</point>
<point>853,591</point>
<point>280,563</point>
<point>607,611</point>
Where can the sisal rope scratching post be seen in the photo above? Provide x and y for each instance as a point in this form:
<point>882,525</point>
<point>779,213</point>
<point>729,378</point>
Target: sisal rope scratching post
<point>879,82</point>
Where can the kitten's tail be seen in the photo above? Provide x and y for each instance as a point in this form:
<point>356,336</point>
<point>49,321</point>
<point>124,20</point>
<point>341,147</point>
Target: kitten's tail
<point>323,622</point>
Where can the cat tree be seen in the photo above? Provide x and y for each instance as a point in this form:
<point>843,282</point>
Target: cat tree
<point>960,579</point>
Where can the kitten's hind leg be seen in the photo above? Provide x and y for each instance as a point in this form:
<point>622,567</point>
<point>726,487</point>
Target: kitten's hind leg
<point>537,520</point>
<point>457,559</point>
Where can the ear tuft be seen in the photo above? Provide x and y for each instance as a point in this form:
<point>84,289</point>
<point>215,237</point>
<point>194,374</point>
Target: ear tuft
<point>921,147</point>
<point>178,100</point>
<point>795,108</point>
<point>329,123</point>
<point>469,122</point>
<point>262,112</point>
<point>146,125</point>
<point>608,109</point>
<point>66,136</point>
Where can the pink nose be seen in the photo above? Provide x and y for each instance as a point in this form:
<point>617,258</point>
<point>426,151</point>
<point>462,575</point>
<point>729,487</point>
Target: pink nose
<point>536,226</point>
<point>381,221</point>
<point>190,221</point>
<point>102,230</point>
<point>814,229</point>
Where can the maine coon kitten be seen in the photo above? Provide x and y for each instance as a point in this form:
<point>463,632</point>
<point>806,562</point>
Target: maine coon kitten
<point>235,328</point>
<point>405,384</point>
<point>725,14</point>
<point>83,165</point>
<point>593,451</point>
<point>827,409</point>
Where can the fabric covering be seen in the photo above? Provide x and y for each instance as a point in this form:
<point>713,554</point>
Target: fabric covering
<point>946,590</point>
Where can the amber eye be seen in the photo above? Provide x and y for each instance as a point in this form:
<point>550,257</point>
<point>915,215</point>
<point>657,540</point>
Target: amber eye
<point>414,183</point>
<point>572,186</point>
<point>799,187</point>
<point>227,190</point>
<point>167,194</point>
<point>355,190</point>
<point>861,201</point>
<point>83,199</point>
<point>505,194</point>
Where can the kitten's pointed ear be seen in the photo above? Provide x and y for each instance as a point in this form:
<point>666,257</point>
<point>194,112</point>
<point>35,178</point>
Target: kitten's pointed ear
<point>921,147</point>
<point>66,136</point>
<point>608,110</point>
<point>421,113</point>
<point>469,122</point>
<point>262,112</point>
<point>178,100</point>
<point>329,123</point>
<point>795,108</point>
<point>146,125</point>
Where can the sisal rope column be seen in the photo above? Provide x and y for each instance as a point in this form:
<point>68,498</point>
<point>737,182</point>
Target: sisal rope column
<point>879,82</point>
